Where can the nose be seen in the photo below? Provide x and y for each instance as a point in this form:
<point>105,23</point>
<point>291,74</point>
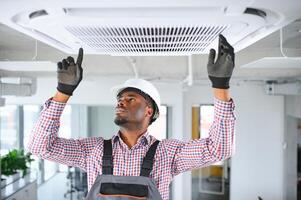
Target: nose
<point>120,102</point>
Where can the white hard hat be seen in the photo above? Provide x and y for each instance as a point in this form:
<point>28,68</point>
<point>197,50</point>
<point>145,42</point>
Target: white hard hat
<point>143,85</point>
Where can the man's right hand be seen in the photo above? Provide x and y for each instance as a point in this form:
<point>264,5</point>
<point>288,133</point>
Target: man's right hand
<point>220,71</point>
<point>70,73</point>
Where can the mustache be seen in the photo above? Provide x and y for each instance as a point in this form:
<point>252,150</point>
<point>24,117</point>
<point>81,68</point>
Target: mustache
<point>122,109</point>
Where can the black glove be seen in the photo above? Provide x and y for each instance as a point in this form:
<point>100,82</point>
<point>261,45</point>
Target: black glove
<point>69,73</point>
<point>220,72</point>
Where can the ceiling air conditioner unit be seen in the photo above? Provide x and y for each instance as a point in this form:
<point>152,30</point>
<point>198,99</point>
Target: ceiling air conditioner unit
<point>141,28</point>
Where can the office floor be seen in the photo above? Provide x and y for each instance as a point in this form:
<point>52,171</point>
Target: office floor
<point>210,186</point>
<point>54,188</point>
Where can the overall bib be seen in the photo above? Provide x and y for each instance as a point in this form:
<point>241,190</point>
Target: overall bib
<point>110,187</point>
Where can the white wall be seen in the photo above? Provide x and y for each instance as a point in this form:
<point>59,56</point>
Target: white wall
<point>293,106</point>
<point>257,166</point>
<point>101,121</point>
<point>79,124</point>
<point>293,115</point>
<point>290,158</point>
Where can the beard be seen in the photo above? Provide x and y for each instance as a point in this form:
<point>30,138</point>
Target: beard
<point>120,121</point>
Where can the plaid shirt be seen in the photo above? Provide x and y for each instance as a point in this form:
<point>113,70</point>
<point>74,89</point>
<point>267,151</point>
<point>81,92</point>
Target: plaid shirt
<point>172,156</point>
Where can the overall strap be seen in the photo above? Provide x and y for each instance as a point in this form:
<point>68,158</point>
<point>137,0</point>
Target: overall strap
<point>148,160</point>
<point>107,159</point>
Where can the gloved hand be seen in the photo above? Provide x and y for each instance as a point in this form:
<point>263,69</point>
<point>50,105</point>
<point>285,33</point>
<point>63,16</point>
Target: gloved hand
<point>220,72</point>
<point>69,73</point>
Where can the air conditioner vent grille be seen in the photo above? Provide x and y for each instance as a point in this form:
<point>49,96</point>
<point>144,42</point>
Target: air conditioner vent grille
<point>171,39</point>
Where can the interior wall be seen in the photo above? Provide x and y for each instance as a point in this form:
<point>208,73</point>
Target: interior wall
<point>293,106</point>
<point>293,115</point>
<point>290,158</point>
<point>101,121</point>
<point>79,121</point>
<point>257,165</point>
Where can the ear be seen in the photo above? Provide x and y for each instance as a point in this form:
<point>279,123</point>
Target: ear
<point>149,111</point>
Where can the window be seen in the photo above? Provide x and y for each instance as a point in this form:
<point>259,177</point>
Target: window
<point>206,119</point>
<point>16,124</point>
<point>65,121</point>
<point>30,116</point>
<point>65,130</point>
<point>51,168</point>
<point>9,128</point>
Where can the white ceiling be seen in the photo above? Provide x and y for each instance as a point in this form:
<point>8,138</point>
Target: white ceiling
<point>14,46</point>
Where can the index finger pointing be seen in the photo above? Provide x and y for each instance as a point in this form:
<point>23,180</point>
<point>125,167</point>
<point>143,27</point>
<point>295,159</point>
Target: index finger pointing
<point>80,56</point>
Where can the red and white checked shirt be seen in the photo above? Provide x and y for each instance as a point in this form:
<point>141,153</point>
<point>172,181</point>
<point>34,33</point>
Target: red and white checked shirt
<point>172,156</point>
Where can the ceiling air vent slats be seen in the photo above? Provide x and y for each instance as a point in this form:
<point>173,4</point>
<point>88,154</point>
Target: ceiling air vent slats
<point>147,39</point>
<point>147,28</point>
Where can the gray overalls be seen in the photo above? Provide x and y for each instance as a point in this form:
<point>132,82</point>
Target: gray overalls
<point>110,187</point>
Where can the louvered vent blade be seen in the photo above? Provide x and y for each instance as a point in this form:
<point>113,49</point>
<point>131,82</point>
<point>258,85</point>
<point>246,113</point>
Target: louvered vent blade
<point>173,40</point>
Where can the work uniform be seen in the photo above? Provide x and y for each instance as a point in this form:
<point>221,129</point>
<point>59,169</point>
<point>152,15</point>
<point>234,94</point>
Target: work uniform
<point>110,187</point>
<point>171,158</point>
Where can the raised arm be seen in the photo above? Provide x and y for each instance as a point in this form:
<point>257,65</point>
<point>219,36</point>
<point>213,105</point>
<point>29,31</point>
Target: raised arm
<point>220,143</point>
<point>193,154</point>
<point>44,140</point>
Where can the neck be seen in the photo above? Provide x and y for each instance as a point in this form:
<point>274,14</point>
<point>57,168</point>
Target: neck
<point>130,137</point>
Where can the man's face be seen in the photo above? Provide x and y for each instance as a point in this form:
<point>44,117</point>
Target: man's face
<point>131,108</point>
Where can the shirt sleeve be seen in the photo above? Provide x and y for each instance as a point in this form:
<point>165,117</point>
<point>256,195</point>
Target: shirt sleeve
<point>198,153</point>
<point>44,140</point>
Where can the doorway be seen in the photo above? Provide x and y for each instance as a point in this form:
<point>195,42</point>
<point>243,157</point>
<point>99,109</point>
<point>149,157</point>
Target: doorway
<point>211,182</point>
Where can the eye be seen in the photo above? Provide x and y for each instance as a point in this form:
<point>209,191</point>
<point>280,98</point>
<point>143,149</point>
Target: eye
<point>131,99</point>
<point>119,99</point>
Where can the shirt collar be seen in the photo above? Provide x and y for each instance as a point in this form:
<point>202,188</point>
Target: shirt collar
<point>144,139</point>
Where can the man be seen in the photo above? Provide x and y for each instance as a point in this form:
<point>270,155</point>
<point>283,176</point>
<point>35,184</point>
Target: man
<point>133,164</point>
